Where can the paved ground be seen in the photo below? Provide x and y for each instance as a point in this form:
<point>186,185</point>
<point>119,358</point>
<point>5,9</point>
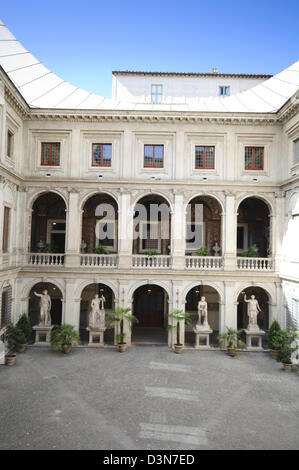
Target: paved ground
<point>147,398</point>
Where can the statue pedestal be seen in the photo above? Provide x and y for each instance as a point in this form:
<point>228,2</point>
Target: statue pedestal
<point>202,333</point>
<point>42,335</point>
<point>257,336</point>
<point>96,337</point>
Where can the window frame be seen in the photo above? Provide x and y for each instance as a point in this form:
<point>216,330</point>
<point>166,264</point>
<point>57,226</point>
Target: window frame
<point>101,165</point>
<point>6,229</point>
<point>159,239</point>
<point>153,165</point>
<point>253,158</point>
<point>110,248</point>
<point>51,154</point>
<point>9,143</point>
<point>156,94</point>
<point>204,167</point>
<point>295,161</point>
<point>226,87</point>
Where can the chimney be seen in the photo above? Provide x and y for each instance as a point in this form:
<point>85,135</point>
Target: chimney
<point>214,70</point>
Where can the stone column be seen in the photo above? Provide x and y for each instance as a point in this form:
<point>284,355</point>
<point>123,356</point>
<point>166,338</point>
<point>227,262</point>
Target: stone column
<point>71,304</point>
<point>278,310</point>
<point>230,232</point>
<point>230,307</point>
<point>73,230</point>
<point>277,227</point>
<point>178,231</point>
<point>221,317</point>
<point>124,301</point>
<point>21,219</point>
<point>125,230</point>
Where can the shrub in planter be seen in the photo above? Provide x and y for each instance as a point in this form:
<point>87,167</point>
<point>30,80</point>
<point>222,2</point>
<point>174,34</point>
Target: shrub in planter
<point>14,338</point>
<point>64,337</point>
<point>24,324</point>
<point>99,250</point>
<point>252,252</point>
<point>287,347</point>
<point>231,341</point>
<point>275,338</point>
<point>177,316</point>
<point>119,317</point>
<point>202,251</point>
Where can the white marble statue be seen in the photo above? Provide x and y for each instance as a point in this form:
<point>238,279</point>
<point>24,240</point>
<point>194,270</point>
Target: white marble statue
<point>202,323</point>
<point>253,309</point>
<point>97,312</point>
<point>45,305</point>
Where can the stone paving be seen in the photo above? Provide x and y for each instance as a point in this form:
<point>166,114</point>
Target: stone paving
<point>147,398</point>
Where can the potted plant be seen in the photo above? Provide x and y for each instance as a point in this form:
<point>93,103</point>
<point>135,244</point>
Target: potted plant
<point>99,250</point>
<point>287,347</point>
<point>274,337</point>
<point>64,337</point>
<point>14,338</point>
<point>119,317</point>
<point>177,316</point>
<point>24,325</point>
<point>202,251</point>
<point>231,340</point>
<point>45,247</point>
<point>252,252</point>
<point>150,256</point>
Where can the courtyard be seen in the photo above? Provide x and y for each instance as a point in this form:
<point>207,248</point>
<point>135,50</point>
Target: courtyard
<point>148,398</point>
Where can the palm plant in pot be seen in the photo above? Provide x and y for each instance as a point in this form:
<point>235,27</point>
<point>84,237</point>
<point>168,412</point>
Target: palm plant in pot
<point>24,325</point>
<point>288,346</point>
<point>64,337</point>
<point>14,338</point>
<point>275,338</point>
<point>231,341</point>
<point>177,316</point>
<point>118,318</point>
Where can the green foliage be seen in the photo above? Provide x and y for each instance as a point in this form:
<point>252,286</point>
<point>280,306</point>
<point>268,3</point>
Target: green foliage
<point>100,250</point>
<point>202,251</point>
<point>63,336</point>
<point>177,316</point>
<point>252,252</point>
<point>47,247</point>
<point>275,336</point>
<point>231,339</point>
<point>288,346</point>
<point>150,253</point>
<point>24,324</point>
<point>118,317</point>
<point>14,337</point>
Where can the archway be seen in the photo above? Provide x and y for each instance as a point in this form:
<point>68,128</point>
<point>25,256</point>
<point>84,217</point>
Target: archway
<point>56,300</point>
<point>100,224</point>
<point>203,225</point>
<point>253,227</point>
<point>212,298</point>
<point>150,306</point>
<point>87,295</point>
<point>152,225</point>
<point>263,300</point>
<point>48,224</point>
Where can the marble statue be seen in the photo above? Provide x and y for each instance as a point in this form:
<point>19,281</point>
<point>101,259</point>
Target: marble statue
<point>253,309</point>
<point>97,312</point>
<point>45,305</point>
<point>202,323</point>
<point>216,249</point>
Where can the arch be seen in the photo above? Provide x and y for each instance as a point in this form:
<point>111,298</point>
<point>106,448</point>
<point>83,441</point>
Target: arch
<point>30,284</point>
<point>206,283</point>
<point>95,193</point>
<point>33,198</point>
<point>56,298</point>
<point>268,203</point>
<point>264,299</point>
<point>83,284</point>
<point>161,284</point>
<point>247,284</point>
<point>152,193</point>
<point>201,194</point>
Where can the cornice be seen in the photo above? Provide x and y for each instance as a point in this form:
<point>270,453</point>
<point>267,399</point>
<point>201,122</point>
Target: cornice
<point>288,110</point>
<point>16,104</point>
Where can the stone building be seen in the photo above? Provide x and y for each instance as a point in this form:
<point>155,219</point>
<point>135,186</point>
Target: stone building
<point>227,142</point>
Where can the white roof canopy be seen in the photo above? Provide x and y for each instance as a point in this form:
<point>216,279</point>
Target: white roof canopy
<point>41,88</point>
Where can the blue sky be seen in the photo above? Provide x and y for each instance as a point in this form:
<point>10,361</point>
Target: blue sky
<point>84,41</point>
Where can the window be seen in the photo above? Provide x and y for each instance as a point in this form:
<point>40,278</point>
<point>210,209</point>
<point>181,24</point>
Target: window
<point>157,93</point>
<point>5,239</point>
<point>242,238</point>
<point>254,158</point>
<point>101,154</point>
<point>50,154</point>
<point>106,229</point>
<point>204,157</point>
<point>153,156</point>
<point>224,91</point>
<point>150,236</point>
<point>9,149</point>
<point>296,151</point>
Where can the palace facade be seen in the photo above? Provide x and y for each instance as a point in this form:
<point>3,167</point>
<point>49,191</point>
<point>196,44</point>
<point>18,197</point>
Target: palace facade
<point>227,142</point>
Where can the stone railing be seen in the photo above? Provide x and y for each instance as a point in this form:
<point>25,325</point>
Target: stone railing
<point>255,264</point>
<point>102,261</point>
<point>204,262</point>
<point>46,259</point>
<point>155,262</point>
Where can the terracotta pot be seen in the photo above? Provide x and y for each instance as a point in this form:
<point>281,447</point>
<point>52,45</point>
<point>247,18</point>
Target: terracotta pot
<point>10,359</point>
<point>231,352</point>
<point>22,348</point>
<point>274,353</point>
<point>178,348</point>
<point>66,349</point>
<point>122,347</point>
<point>288,367</point>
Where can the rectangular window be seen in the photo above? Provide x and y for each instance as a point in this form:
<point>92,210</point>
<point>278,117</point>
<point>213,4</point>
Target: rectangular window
<point>254,158</point>
<point>9,149</point>
<point>157,93</point>
<point>153,156</point>
<point>296,151</point>
<point>101,154</point>
<point>5,240</point>
<point>107,229</point>
<point>224,91</point>
<point>204,157</point>
<point>150,236</point>
<point>50,154</point>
